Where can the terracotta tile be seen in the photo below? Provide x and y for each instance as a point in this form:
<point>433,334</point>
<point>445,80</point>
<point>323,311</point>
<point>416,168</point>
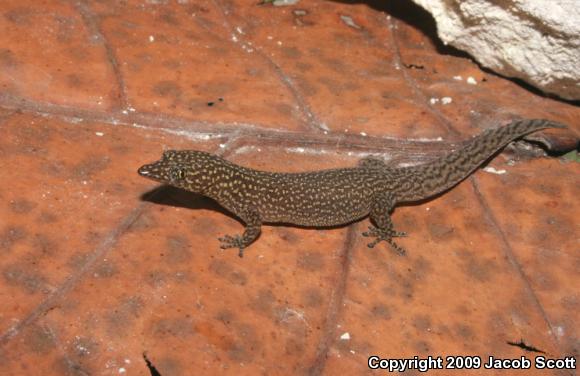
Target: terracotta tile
<point>157,48</point>
<point>543,237</point>
<point>50,54</point>
<point>104,272</point>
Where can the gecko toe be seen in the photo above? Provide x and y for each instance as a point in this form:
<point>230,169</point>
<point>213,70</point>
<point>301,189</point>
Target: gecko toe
<point>400,250</point>
<point>232,242</point>
<point>386,235</point>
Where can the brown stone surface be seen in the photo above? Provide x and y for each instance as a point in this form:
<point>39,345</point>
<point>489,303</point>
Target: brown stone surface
<point>104,273</point>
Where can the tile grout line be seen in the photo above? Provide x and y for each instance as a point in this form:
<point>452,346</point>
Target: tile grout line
<point>92,24</point>
<point>348,142</point>
<point>311,120</point>
<point>72,281</point>
<point>335,304</point>
<point>391,26</point>
<point>508,252</point>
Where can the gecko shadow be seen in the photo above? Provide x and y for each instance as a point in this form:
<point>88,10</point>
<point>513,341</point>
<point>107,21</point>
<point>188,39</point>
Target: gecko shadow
<point>172,196</point>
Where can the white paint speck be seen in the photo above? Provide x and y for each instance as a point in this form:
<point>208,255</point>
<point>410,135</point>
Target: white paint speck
<point>345,336</point>
<point>151,38</point>
<point>492,170</point>
<point>349,21</point>
<point>446,100</point>
<point>433,100</point>
<point>363,134</point>
<point>279,43</point>
<point>99,134</point>
<point>284,3</point>
<point>471,81</point>
<point>239,30</point>
<point>559,331</point>
<point>458,78</point>
<point>122,370</point>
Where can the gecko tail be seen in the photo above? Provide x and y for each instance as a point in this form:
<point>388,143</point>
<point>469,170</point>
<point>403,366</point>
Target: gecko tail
<point>438,176</point>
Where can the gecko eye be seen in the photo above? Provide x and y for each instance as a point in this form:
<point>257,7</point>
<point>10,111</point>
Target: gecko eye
<point>177,174</point>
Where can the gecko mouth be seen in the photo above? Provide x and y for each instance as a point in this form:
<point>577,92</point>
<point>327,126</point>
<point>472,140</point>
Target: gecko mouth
<point>149,171</point>
<point>144,170</point>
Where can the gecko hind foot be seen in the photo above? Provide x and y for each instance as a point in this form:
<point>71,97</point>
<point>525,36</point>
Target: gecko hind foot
<point>386,235</point>
<point>236,241</point>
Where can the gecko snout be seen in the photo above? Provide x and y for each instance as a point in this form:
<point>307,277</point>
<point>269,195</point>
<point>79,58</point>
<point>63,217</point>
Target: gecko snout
<point>144,170</point>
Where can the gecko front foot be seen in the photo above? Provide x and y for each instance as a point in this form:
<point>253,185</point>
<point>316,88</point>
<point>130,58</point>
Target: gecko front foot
<point>233,242</point>
<point>386,235</point>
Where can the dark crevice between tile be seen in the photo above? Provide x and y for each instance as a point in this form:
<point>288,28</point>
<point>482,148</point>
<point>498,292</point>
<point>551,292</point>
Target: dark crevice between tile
<point>417,17</point>
<point>524,346</point>
<point>152,369</point>
<point>527,86</point>
<point>554,147</point>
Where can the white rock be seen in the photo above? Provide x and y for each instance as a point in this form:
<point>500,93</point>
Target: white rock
<point>537,41</point>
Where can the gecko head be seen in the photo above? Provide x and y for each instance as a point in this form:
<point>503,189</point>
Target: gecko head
<point>187,169</point>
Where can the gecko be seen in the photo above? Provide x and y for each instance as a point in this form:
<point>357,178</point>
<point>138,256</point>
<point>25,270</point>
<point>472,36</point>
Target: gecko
<point>331,197</point>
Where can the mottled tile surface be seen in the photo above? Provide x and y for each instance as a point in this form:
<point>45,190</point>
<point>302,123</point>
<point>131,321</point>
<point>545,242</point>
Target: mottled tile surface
<point>104,273</point>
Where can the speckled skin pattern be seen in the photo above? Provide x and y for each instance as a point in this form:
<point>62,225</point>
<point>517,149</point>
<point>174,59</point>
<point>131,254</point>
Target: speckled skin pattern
<point>327,197</point>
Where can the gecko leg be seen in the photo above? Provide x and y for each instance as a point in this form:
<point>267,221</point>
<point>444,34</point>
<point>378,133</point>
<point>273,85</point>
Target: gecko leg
<point>381,206</point>
<point>253,228</point>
